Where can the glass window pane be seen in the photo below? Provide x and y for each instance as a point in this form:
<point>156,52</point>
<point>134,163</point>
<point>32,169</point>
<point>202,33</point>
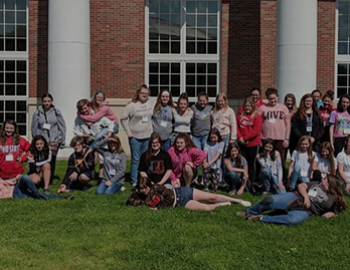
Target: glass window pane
<point>164,19</point>
<point>21,66</point>
<point>10,90</point>
<point>153,33</point>
<point>343,21</point>
<point>153,79</point>
<point>190,33</point>
<point>10,65</point>
<point>21,17</point>
<point>175,33</point>
<point>164,67</point>
<point>153,47</point>
<point>154,91</point>
<point>9,44</point>
<point>153,67</point>
<point>342,48</point>
<point>164,47</point>
<point>212,6</point>
<point>190,80</point>
<point>211,80</point>
<point>21,4</point>
<point>1,105</point>
<point>21,106</point>
<point>175,79</point>
<point>10,30</point>
<point>1,77</point>
<point>10,17</point>
<point>175,67</point>
<point>164,7</point>
<point>212,91</point>
<point>21,78</point>
<point>10,116</point>
<point>341,91</point>
<point>343,7</point>
<point>164,79</point>
<point>191,20</point>
<point>1,90</point>
<point>201,80</point>
<point>201,34</point>
<point>190,47</point>
<point>153,6</point>
<point>212,33</point>
<point>9,4</point>
<point>21,45</point>
<point>1,31</point>
<point>10,105</point>
<point>201,68</point>
<point>212,20</point>
<point>175,19</point>
<point>201,6</point>
<point>190,68</point>
<point>342,68</point>
<point>191,6</point>
<point>342,81</point>
<point>22,130</point>
<point>1,4</point>
<point>1,17</point>
<point>21,118</point>
<point>191,91</point>
<point>175,47</point>
<point>2,117</point>
<point>1,44</point>
<point>21,90</point>
<point>201,47</point>
<point>175,91</point>
<point>175,7</point>
<point>10,77</point>
<point>212,48</point>
<point>201,20</point>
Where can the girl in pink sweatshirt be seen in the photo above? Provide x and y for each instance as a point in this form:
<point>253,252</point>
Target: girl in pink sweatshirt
<point>185,158</point>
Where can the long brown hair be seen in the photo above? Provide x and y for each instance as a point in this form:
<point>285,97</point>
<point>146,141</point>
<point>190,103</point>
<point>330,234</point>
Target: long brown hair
<point>249,100</point>
<point>188,141</point>
<point>148,153</point>
<point>238,160</point>
<point>309,150</point>
<point>15,133</point>
<point>93,102</point>
<point>158,105</point>
<point>290,95</point>
<point>302,110</point>
<point>119,147</point>
<point>135,98</point>
<point>327,146</point>
<point>335,188</point>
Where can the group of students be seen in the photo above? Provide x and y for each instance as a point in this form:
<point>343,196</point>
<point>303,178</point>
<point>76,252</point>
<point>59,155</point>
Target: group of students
<point>169,142</point>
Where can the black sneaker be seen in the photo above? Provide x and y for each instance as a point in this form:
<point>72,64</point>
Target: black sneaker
<point>46,191</point>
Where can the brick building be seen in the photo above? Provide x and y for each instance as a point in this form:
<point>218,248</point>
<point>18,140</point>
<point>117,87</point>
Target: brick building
<point>71,48</point>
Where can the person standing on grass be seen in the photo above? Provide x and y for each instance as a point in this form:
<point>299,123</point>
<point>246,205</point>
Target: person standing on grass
<point>182,116</point>
<point>340,124</point>
<point>255,94</point>
<point>39,162</point>
<point>249,136</point>
<point>201,120</point>
<point>163,117</point>
<point>324,199</point>
<point>275,122</point>
<point>185,158</point>
<point>157,197</point>
<point>271,172</point>
<point>300,167</point>
<point>325,110</point>
<point>214,148</point>
<point>343,160</point>
<point>236,168</point>
<point>224,119</point>
<point>114,162</point>
<point>156,163</point>
<point>48,122</point>
<point>137,123</point>
<point>100,108</point>
<point>307,121</point>
<point>13,150</point>
<point>80,168</point>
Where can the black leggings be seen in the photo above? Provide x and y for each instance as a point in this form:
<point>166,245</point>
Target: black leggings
<point>250,155</point>
<point>338,145</point>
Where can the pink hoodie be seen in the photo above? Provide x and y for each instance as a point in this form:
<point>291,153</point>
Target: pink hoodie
<point>179,160</point>
<point>104,110</point>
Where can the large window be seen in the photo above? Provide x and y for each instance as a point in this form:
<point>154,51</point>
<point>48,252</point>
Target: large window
<point>13,62</point>
<point>183,46</point>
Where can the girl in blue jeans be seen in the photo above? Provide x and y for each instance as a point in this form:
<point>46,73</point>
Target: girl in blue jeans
<point>300,167</point>
<point>271,172</point>
<point>324,199</point>
<point>236,170</point>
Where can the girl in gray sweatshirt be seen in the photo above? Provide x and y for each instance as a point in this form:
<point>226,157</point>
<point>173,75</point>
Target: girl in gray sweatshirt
<point>114,165</point>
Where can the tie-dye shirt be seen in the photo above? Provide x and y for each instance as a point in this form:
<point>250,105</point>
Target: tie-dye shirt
<point>341,122</point>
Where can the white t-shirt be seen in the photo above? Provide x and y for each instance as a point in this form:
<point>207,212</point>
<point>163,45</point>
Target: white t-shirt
<point>324,163</point>
<point>343,159</point>
<point>301,160</point>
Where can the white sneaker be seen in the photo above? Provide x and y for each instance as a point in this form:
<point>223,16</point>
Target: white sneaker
<point>123,188</point>
<point>245,203</point>
<point>225,204</point>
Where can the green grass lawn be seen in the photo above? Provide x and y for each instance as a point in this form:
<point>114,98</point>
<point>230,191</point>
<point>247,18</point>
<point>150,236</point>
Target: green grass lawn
<point>100,232</point>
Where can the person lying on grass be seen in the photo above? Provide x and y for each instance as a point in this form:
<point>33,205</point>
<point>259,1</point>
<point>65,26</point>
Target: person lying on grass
<point>21,187</point>
<point>39,158</point>
<point>81,167</point>
<point>156,197</point>
<point>324,199</point>
<point>114,165</point>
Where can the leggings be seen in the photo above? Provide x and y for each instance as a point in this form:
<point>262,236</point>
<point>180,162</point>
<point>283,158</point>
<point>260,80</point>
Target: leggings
<point>250,155</point>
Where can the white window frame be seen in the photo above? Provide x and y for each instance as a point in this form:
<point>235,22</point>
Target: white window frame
<point>182,57</point>
<point>22,56</point>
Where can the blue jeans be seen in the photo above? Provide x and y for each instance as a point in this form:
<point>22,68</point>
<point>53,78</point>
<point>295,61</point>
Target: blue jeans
<point>268,179</point>
<point>116,128</point>
<point>137,148</point>
<point>200,141</point>
<point>166,144</point>
<point>279,202</point>
<point>234,180</point>
<point>296,176</point>
<point>99,136</point>
<point>112,189</point>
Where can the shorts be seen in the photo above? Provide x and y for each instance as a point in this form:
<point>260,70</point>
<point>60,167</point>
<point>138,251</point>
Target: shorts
<point>88,174</point>
<point>183,195</point>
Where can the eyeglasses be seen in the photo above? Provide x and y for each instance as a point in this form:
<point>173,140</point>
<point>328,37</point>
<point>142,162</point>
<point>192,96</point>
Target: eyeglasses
<point>143,93</point>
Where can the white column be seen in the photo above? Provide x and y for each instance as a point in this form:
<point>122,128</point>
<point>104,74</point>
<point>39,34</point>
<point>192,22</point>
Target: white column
<point>69,56</point>
<point>296,60</point>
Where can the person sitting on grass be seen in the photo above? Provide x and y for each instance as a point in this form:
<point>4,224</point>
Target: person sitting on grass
<point>324,199</point>
<point>236,170</point>
<point>81,167</point>
<point>185,158</point>
<point>21,187</point>
<point>114,162</point>
<point>157,197</point>
<point>155,163</point>
<point>39,159</point>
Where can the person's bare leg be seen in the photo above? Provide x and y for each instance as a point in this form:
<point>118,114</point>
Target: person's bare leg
<point>194,205</point>
<point>187,175</point>
<point>200,196</point>
<point>35,178</point>
<point>46,174</point>
<point>84,179</point>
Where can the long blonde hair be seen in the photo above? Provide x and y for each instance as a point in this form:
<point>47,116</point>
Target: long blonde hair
<point>309,150</point>
<point>252,103</point>
<point>221,95</point>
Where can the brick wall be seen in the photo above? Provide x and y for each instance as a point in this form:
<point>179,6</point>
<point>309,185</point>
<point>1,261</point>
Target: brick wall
<point>38,40</point>
<point>117,46</point>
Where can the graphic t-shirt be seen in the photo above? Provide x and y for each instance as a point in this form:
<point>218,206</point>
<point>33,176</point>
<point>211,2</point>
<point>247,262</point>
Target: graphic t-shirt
<point>158,166</point>
<point>341,121</point>
<point>321,201</point>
